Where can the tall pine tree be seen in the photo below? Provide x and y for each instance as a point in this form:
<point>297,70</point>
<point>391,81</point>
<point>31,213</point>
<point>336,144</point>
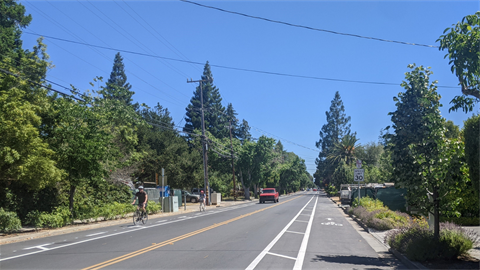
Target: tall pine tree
<point>232,116</point>
<point>244,132</point>
<point>214,112</point>
<point>332,132</point>
<point>117,86</point>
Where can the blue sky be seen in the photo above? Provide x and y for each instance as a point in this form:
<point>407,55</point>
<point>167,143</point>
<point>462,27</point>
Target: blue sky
<point>283,107</point>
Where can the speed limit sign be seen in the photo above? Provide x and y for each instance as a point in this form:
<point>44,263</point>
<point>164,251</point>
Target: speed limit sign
<point>358,175</point>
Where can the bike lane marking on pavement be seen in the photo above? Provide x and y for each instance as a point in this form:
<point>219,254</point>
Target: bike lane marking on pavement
<point>127,230</point>
<point>262,254</point>
<point>178,238</point>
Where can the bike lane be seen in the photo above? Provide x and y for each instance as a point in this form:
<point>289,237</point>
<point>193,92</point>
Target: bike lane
<point>337,243</point>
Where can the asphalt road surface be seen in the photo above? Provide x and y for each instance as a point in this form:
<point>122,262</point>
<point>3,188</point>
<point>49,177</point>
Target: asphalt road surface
<point>302,231</point>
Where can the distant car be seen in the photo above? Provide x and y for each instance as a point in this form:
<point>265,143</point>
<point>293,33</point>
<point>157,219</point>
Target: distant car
<point>314,189</point>
<point>196,191</point>
<point>190,197</point>
<point>269,194</point>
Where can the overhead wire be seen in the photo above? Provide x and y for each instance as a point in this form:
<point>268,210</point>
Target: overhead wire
<point>106,57</point>
<point>307,27</point>
<point>231,68</point>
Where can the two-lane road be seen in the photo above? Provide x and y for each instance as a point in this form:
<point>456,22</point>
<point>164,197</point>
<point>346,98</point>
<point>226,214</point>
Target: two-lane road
<point>303,231</point>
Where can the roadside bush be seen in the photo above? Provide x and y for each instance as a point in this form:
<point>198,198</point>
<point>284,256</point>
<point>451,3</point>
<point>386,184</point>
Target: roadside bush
<point>60,217</point>
<point>375,215</point>
<point>418,243</point>
<point>153,207</point>
<point>9,221</point>
<point>115,210</point>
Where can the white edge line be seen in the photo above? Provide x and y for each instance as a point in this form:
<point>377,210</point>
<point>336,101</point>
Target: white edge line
<point>280,255</point>
<point>264,252</point>
<point>303,247</point>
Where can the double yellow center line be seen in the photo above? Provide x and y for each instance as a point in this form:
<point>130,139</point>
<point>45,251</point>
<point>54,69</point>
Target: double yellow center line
<point>176,239</point>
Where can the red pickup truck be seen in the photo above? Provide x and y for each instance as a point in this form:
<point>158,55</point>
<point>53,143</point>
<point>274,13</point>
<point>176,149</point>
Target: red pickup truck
<point>269,194</point>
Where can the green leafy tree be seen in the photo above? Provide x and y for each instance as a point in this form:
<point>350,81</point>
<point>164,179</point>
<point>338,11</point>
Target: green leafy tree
<point>452,131</point>
<point>471,134</point>
<point>12,19</point>
<point>165,148</point>
<point>332,132</point>
<point>462,41</point>
<point>424,162</point>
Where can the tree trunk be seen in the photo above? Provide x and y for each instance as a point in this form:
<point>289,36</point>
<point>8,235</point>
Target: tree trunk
<point>247,193</point>
<point>255,191</point>
<point>70,197</point>
<point>436,215</point>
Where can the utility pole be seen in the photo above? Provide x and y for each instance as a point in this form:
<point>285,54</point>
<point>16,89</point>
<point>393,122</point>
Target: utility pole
<point>206,186</point>
<point>233,167</point>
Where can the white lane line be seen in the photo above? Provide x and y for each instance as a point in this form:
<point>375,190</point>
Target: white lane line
<point>160,221</point>
<point>295,232</point>
<point>303,248</point>
<point>301,221</point>
<point>269,246</point>
<point>93,234</point>
<point>134,228</point>
<point>39,247</point>
<point>280,255</point>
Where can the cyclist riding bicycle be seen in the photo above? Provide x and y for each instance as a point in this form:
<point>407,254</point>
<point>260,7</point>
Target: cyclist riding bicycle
<point>142,199</point>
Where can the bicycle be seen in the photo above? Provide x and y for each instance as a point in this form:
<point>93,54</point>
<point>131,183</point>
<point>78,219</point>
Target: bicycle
<point>202,205</point>
<point>140,216</point>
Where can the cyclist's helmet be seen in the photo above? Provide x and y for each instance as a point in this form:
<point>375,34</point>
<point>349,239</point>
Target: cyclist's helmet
<point>140,187</point>
<point>201,191</point>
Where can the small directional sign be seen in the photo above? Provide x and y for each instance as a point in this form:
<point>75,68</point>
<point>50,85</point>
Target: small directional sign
<point>359,164</point>
<point>358,175</point>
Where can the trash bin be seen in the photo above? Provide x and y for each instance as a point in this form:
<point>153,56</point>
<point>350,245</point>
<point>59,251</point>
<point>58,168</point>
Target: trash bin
<point>178,193</point>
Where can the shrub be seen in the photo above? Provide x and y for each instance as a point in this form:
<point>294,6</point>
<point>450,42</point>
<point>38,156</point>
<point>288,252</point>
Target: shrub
<point>463,221</point>
<point>9,221</point>
<point>60,217</point>
<point>375,215</point>
<point>331,190</point>
<point>153,207</point>
<point>418,243</point>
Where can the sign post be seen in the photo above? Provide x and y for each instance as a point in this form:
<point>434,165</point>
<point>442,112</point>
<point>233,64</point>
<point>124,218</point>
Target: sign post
<point>359,176</point>
<point>163,186</point>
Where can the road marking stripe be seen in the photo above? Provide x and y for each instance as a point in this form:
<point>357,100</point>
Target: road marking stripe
<point>176,239</point>
<point>280,255</point>
<point>295,232</point>
<point>40,247</point>
<point>303,247</point>
<point>93,234</point>
<point>134,228</point>
<point>274,241</point>
<point>301,221</point>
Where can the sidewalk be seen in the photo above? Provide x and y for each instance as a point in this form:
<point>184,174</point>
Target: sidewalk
<point>32,233</point>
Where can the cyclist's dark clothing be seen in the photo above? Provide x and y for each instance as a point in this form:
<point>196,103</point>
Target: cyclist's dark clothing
<point>141,197</point>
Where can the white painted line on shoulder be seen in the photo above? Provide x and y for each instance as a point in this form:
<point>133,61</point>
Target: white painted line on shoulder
<point>303,248</point>
<point>280,255</point>
<point>93,234</point>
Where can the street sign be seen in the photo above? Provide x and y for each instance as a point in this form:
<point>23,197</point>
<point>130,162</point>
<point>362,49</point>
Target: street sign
<point>358,175</point>
<point>359,164</point>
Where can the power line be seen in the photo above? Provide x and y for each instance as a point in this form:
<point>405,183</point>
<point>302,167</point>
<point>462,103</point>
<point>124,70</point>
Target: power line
<point>264,132</point>
<point>227,67</point>
<point>308,27</point>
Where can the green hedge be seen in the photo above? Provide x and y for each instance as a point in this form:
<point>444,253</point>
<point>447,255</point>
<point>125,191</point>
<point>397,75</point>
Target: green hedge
<point>9,221</point>
<point>463,221</point>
